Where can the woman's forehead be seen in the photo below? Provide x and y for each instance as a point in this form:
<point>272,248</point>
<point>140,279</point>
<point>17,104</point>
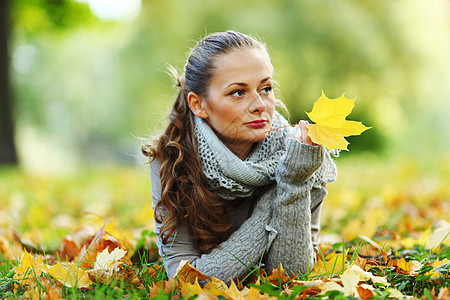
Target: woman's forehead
<point>242,65</point>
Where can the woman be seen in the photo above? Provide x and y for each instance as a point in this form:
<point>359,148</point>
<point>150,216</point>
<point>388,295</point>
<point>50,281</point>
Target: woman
<point>228,195</point>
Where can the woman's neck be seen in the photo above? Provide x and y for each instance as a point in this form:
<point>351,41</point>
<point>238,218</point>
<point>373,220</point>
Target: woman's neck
<point>241,150</point>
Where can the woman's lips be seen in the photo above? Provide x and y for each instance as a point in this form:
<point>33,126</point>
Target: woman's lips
<point>257,123</point>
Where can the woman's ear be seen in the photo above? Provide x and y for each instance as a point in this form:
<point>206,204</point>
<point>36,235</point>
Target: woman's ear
<point>197,105</point>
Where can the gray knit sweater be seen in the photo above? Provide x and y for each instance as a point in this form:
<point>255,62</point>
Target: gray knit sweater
<point>280,225</point>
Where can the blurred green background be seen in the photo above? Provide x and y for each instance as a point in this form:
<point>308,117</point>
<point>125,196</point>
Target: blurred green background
<point>89,78</point>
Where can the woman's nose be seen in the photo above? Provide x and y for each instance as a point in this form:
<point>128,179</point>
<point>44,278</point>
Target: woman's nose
<point>258,104</point>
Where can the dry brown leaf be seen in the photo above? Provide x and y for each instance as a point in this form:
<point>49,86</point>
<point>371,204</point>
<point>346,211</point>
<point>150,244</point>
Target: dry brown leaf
<point>360,262</point>
<point>187,273</point>
<point>98,243</point>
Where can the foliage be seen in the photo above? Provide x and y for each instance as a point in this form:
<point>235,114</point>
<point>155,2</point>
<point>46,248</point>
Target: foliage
<point>85,88</point>
<point>331,125</point>
<point>406,256</point>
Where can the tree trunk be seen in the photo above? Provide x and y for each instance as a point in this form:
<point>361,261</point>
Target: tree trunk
<point>7,147</point>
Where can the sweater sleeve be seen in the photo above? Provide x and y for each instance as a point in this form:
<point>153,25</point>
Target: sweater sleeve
<point>293,246</point>
<point>233,257</point>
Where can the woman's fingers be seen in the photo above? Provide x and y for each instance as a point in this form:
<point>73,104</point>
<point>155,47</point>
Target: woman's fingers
<point>304,131</point>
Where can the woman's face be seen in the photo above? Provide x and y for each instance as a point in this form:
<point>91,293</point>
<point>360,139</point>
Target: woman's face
<point>240,102</point>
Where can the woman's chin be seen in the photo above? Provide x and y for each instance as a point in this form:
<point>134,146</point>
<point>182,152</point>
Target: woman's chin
<point>260,136</point>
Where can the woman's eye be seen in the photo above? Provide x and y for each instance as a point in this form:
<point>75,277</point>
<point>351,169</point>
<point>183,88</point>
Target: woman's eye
<point>266,90</point>
<point>237,93</point>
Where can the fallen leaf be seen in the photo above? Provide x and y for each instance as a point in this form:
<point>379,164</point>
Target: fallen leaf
<point>216,287</point>
<point>331,125</point>
<point>365,291</point>
<point>233,292</point>
<point>360,262</point>
<point>253,293</point>
<point>10,246</point>
<point>216,284</point>
<point>331,286</point>
<point>105,259</point>
<point>410,267</point>
<point>278,276</point>
<point>113,265</point>
<point>206,296</point>
<point>99,242</point>
<point>187,273</point>
<point>444,294</point>
<point>439,236</point>
<point>190,289</point>
<point>29,267</point>
<point>314,287</point>
<point>69,275</point>
<point>163,287</point>
<point>42,289</point>
<point>333,264</point>
<point>350,279</point>
<point>72,243</point>
<point>124,238</point>
<point>436,265</point>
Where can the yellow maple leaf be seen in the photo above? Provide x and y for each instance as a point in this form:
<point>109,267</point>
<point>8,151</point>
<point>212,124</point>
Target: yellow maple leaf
<point>188,289</point>
<point>333,264</point>
<point>233,292</point>
<point>69,275</point>
<point>331,126</point>
<point>436,265</point>
<point>216,287</point>
<point>29,267</point>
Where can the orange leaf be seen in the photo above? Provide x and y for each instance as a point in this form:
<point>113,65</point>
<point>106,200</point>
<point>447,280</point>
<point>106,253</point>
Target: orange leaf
<point>278,276</point>
<point>98,243</point>
<point>187,273</point>
<point>364,292</point>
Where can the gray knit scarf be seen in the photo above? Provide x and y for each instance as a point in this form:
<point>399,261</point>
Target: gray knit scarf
<point>229,177</point>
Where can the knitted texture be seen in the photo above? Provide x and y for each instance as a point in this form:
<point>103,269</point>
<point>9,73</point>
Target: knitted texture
<point>245,247</point>
<point>293,246</point>
<point>283,208</point>
<point>229,177</point>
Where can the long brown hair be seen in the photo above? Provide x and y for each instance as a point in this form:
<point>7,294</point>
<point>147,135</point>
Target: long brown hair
<point>184,196</point>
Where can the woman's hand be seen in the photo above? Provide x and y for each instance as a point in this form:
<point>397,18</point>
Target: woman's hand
<point>304,130</point>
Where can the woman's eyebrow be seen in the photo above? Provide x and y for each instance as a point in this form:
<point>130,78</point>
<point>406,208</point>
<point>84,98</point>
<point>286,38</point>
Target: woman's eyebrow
<point>245,84</point>
<point>265,79</point>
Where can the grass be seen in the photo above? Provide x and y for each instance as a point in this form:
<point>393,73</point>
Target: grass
<point>398,210</point>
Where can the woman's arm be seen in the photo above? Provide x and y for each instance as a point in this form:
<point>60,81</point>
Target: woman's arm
<point>293,246</point>
<point>233,257</point>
